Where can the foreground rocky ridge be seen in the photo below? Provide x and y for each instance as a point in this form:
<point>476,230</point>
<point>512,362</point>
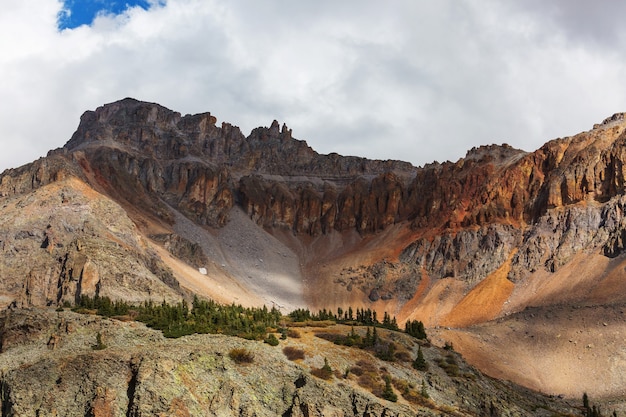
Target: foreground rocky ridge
<point>137,372</point>
<point>144,203</point>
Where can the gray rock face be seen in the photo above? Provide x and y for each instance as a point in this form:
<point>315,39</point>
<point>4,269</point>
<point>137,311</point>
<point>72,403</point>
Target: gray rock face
<point>548,244</point>
<point>64,240</point>
<point>559,235</point>
<point>469,255</point>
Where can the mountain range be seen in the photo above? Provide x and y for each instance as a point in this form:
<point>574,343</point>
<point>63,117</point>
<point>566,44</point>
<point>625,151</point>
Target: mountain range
<point>515,257</point>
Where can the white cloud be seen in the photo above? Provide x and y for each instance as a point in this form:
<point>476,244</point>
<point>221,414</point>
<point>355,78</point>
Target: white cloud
<point>412,80</point>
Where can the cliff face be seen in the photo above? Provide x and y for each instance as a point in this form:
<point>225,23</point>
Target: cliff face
<point>200,168</point>
<point>64,240</point>
<point>144,203</point>
<point>462,220</point>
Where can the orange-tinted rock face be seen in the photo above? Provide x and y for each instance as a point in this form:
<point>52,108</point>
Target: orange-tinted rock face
<point>459,220</point>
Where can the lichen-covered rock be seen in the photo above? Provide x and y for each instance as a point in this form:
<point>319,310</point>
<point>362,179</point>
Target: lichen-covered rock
<point>140,373</point>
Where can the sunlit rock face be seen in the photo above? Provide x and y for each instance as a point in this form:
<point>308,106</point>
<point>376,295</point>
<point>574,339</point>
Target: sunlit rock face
<point>143,203</point>
<point>138,181</point>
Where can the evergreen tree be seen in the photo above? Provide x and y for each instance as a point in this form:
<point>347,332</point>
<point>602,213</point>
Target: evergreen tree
<point>394,323</point>
<point>367,342</point>
<point>388,393</point>
<point>99,344</point>
<point>415,328</point>
<point>325,372</point>
<point>386,320</point>
<point>420,363</point>
<point>591,411</point>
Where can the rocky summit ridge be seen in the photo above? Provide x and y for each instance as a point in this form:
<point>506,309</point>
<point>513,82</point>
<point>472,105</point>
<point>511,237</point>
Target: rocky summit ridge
<point>144,203</point>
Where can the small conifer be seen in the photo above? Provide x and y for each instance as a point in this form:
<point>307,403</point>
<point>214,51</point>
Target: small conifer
<point>388,393</point>
<point>420,363</point>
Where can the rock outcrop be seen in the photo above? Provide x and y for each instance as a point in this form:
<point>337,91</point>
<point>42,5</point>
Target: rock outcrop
<point>65,240</point>
<point>52,365</point>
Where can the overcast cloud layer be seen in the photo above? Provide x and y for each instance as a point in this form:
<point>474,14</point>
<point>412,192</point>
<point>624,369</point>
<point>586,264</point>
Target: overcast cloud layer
<point>416,80</point>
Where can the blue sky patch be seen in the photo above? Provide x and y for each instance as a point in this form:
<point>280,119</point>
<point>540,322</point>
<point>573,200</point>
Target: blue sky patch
<point>76,13</point>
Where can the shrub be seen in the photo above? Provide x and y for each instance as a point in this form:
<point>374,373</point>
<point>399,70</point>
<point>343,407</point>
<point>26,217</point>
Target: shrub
<point>402,385</point>
<point>356,370</point>
<point>386,352</point>
<point>89,311</point>
<point>367,366</point>
<point>293,353</point>
<point>368,381</point>
<point>423,391</point>
<point>449,365</point>
<point>331,337</point>
<point>99,344</point>
<point>271,340</point>
<point>410,393</point>
<point>241,355</point>
<point>403,356</point>
<point>293,333</point>
<point>325,372</point>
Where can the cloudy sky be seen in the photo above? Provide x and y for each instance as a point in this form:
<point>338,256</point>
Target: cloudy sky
<point>416,80</point>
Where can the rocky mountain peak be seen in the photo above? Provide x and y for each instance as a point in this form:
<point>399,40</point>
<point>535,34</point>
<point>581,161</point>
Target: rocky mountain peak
<point>493,153</point>
<point>141,199</point>
<point>111,121</point>
<point>616,118</point>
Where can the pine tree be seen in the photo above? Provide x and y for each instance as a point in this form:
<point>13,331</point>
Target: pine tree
<point>325,372</point>
<point>386,320</point>
<point>367,342</point>
<point>415,329</point>
<point>591,411</point>
<point>420,363</point>
<point>388,393</point>
<point>394,323</point>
